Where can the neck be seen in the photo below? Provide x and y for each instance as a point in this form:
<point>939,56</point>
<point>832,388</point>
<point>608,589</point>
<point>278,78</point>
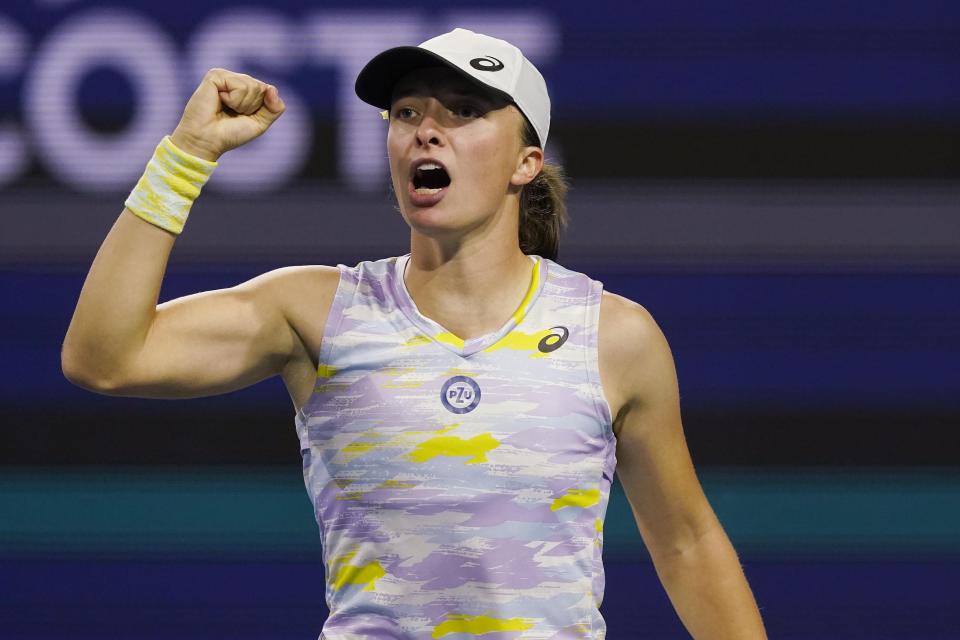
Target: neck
<point>470,291</point>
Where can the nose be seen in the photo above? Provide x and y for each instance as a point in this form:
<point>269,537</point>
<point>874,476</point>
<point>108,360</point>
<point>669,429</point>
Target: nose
<point>429,130</point>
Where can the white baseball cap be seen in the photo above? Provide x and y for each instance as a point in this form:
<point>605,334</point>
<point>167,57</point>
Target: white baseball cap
<point>491,62</point>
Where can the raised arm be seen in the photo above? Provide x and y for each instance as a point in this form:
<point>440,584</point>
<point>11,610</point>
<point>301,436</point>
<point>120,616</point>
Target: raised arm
<point>692,555</point>
<point>120,341</point>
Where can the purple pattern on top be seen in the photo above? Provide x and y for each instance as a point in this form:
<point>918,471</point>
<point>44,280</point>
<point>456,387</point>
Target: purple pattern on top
<point>439,524</point>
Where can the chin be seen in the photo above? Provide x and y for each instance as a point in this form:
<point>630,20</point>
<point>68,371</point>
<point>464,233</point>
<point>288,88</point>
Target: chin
<point>433,222</point>
<point>432,227</point>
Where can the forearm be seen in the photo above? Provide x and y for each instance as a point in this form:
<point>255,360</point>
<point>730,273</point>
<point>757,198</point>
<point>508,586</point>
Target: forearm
<point>118,300</point>
<point>709,591</point>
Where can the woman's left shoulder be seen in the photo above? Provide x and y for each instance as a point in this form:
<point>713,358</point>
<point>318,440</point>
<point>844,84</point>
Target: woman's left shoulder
<point>633,351</point>
<point>625,321</point>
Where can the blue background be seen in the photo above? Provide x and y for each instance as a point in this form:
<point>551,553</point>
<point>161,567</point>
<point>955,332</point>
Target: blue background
<point>820,387</point>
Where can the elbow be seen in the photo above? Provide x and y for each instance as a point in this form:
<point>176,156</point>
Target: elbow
<point>71,364</point>
<point>76,368</point>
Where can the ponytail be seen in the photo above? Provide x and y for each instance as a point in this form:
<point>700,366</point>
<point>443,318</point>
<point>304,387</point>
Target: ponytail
<point>543,208</point>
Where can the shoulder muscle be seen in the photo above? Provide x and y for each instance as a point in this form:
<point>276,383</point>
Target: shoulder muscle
<point>635,355</point>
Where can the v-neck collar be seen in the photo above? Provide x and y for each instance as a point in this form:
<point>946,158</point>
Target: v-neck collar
<point>433,330</point>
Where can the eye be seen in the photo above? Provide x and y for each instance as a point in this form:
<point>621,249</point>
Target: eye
<point>403,113</point>
<point>467,111</point>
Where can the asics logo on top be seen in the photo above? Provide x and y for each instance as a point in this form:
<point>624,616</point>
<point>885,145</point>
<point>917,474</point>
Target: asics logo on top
<point>487,63</point>
<point>553,340</point>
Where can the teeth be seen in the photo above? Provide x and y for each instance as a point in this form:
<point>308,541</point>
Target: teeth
<point>425,191</point>
<point>428,165</point>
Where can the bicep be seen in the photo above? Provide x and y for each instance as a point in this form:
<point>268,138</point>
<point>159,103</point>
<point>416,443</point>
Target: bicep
<point>212,342</point>
<point>653,461</point>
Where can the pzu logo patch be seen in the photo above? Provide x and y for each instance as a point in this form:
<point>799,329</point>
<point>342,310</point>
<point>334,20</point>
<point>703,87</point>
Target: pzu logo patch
<point>460,394</point>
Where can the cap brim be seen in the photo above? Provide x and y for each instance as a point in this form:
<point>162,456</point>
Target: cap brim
<point>376,80</point>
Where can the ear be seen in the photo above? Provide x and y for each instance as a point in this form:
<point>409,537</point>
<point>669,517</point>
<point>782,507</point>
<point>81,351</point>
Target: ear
<point>529,164</point>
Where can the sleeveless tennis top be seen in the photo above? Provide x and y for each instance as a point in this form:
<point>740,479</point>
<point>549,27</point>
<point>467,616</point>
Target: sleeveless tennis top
<point>460,487</point>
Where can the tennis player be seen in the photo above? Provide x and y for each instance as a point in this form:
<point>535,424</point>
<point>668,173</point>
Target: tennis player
<point>462,408</point>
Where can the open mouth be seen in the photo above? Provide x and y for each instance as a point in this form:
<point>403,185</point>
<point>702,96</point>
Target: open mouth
<point>430,178</point>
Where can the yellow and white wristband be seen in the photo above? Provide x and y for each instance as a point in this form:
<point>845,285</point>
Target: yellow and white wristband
<point>169,185</point>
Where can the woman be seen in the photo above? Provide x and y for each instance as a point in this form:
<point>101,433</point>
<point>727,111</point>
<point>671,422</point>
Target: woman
<point>461,409</point>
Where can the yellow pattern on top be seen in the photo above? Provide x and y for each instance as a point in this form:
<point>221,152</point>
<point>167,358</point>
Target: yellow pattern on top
<point>476,447</point>
<point>452,339</point>
<point>528,296</point>
<point>399,378</point>
<point>397,484</point>
<point>326,371</point>
<point>576,498</point>
<point>517,339</point>
<point>417,341</point>
<point>444,337</point>
<point>477,625</point>
<point>521,341</point>
<point>372,439</point>
<point>345,573</point>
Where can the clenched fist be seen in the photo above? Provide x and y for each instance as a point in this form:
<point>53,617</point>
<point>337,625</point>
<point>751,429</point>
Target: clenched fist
<point>227,110</point>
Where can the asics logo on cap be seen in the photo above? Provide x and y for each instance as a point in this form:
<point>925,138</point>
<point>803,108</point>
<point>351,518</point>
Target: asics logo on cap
<point>487,63</point>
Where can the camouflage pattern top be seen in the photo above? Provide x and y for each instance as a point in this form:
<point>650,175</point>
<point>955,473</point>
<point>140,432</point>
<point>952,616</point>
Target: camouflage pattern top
<point>460,487</point>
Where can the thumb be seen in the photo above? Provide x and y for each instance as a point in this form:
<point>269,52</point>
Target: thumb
<point>272,107</point>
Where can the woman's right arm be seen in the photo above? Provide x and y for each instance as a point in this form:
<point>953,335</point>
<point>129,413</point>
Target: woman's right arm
<point>120,341</point>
